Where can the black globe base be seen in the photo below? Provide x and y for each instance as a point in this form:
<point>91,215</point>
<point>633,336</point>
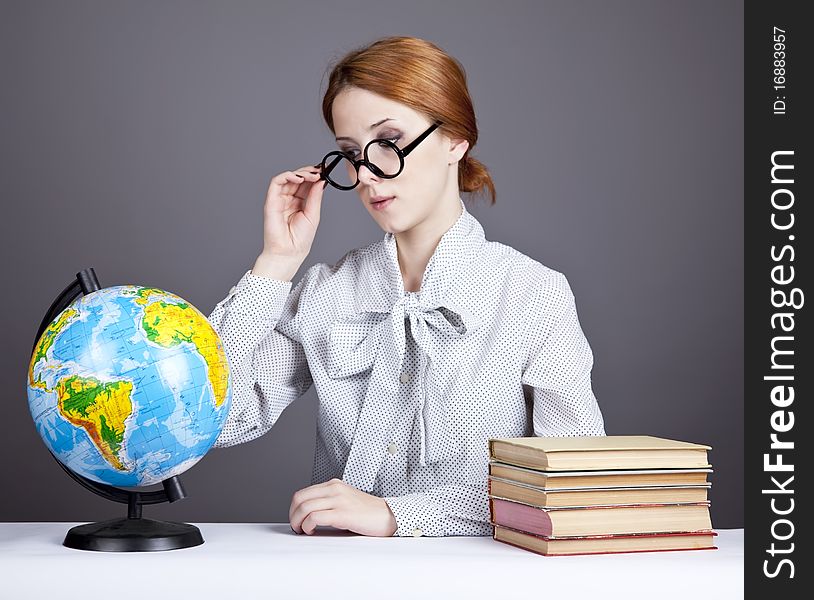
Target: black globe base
<point>133,535</point>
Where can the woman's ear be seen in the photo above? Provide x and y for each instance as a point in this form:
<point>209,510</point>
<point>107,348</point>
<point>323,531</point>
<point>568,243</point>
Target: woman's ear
<point>457,149</point>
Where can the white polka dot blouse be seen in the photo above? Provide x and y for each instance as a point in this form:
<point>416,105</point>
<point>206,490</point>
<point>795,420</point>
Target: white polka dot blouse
<point>412,385</point>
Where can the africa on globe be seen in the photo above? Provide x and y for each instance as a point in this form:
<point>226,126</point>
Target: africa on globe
<point>129,386</point>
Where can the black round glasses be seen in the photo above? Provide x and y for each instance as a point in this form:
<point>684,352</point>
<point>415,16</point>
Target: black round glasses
<point>382,157</point>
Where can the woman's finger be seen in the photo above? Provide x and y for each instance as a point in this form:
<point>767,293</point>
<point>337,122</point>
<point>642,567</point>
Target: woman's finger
<point>307,507</point>
<point>308,169</point>
<point>321,517</point>
<point>285,177</point>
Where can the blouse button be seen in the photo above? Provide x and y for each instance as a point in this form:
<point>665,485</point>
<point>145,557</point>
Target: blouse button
<point>404,378</point>
<point>417,532</point>
<point>392,448</point>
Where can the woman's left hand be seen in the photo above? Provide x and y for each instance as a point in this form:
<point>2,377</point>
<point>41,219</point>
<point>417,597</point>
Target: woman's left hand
<point>337,504</point>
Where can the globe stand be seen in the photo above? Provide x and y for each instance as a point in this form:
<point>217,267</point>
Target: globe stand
<point>132,533</point>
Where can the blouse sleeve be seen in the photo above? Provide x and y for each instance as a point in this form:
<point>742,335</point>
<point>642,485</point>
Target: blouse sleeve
<point>258,325</point>
<point>447,510</point>
<point>558,368</point>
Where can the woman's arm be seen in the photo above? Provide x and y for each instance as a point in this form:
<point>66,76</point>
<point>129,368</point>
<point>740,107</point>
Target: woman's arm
<point>258,325</point>
<point>446,510</point>
<point>558,367</point>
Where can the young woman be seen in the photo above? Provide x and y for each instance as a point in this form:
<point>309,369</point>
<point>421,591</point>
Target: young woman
<point>422,345</point>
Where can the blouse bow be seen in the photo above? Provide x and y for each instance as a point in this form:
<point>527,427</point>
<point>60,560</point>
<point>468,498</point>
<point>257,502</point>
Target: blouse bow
<point>379,339</point>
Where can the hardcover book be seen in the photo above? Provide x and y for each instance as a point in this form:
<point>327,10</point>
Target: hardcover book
<point>530,494</point>
<point>551,480</point>
<point>605,544</point>
<point>600,520</point>
<point>594,453</point>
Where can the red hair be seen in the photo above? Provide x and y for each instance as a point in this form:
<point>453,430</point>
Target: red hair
<point>418,74</point>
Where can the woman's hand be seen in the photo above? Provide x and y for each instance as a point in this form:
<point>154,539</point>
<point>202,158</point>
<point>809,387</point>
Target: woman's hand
<point>337,504</point>
<point>291,212</point>
<point>290,220</point>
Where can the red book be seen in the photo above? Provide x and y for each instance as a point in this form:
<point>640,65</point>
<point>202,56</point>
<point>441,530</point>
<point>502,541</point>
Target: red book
<point>600,520</point>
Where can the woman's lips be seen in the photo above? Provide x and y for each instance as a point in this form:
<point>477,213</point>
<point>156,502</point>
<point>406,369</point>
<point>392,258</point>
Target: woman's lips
<point>383,203</point>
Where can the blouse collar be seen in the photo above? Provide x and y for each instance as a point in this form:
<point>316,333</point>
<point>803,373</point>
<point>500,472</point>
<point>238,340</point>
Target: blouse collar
<point>450,278</point>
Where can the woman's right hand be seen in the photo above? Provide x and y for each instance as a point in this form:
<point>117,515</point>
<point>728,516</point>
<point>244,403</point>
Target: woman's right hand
<point>290,220</point>
<point>291,212</point>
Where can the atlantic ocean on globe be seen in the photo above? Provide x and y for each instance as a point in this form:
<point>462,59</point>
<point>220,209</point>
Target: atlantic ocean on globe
<point>129,386</point>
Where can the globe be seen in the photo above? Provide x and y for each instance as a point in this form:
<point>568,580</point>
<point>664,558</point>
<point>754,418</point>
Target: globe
<point>129,386</point>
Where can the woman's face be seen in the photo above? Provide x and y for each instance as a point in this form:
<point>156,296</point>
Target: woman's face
<point>429,179</point>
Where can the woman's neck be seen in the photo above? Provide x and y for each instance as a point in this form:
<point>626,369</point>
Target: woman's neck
<point>417,245</point>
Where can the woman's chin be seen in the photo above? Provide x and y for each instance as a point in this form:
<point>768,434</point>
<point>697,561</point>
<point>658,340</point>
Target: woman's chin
<point>389,226</point>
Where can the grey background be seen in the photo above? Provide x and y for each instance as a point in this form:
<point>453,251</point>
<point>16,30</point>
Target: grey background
<point>139,138</point>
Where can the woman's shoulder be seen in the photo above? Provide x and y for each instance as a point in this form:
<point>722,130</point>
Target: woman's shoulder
<point>537,291</point>
<point>526,272</point>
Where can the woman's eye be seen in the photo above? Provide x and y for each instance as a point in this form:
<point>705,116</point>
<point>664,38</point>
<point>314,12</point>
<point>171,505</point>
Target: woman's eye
<point>392,140</point>
<point>352,153</point>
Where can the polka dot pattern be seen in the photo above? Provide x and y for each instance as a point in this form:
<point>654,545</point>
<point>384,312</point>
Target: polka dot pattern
<point>412,385</point>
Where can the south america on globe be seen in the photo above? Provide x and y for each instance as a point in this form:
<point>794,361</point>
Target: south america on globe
<point>129,386</point>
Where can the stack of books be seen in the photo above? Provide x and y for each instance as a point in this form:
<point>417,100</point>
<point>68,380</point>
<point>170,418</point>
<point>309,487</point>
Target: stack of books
<point>597,495</point>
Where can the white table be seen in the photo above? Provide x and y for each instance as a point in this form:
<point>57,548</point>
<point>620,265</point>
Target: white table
<point>256,560</point>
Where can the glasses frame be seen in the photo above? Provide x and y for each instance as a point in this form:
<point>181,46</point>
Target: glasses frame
<point>402,153</point>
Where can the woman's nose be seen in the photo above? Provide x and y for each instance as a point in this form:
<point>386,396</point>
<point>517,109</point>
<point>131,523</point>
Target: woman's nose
<point>366,176</point>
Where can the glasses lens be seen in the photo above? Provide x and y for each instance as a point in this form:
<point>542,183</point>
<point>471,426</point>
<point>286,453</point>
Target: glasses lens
<point>384,156</point>
<point>340,170</point>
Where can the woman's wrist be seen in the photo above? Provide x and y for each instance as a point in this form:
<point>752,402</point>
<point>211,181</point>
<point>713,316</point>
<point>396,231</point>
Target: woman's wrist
<point>282,268</point>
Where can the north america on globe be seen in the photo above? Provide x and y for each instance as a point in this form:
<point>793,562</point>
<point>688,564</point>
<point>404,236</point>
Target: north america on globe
<point>129,385</point>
